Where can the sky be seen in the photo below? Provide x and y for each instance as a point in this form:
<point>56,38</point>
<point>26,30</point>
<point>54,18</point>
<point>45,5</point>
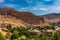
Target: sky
<point>38,7</point>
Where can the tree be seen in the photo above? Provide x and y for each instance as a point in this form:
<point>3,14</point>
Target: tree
<point>1,36</point>
<point>8,36</point>
<point>37,37</point>
<point>23,37</point>
<point>57,35</point>
<point>9,27</point>
<point>46,37</point>
<point>15,35</point>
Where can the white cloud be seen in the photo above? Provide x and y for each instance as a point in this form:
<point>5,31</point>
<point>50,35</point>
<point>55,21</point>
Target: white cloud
<point>44,9</point>
<point>55,7</point>
<point>47,0</point>
<point>39,8</point>
<point>24,9</point>
<point>10,5</point>
<point>29,1</point>
<point>1,0</point>
<point>48,9</point>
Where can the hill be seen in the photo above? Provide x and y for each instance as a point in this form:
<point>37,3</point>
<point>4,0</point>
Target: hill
<point>27,18</point>
<point>52,18</point>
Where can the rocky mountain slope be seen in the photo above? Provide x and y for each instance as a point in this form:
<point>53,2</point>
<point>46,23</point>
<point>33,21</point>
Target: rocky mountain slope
<point>5,20</point>
<point>9,15</point>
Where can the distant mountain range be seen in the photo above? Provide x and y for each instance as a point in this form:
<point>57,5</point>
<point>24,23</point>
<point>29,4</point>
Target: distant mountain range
<point>52,18</point>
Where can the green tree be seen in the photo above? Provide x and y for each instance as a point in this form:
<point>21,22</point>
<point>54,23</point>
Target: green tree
<point>1,36</point>
<point>9,27</point>
<point>57,35</point>
<point>37,37</point>
<point>46,37</point>
<point>15,35</point>
<point>8,36</point>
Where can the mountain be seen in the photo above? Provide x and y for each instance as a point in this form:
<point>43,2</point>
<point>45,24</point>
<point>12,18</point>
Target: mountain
<point>52,18</point>
<point>25,18</point>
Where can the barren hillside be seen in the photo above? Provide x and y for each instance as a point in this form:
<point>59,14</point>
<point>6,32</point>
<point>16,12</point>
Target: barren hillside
<point>9,15</point>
